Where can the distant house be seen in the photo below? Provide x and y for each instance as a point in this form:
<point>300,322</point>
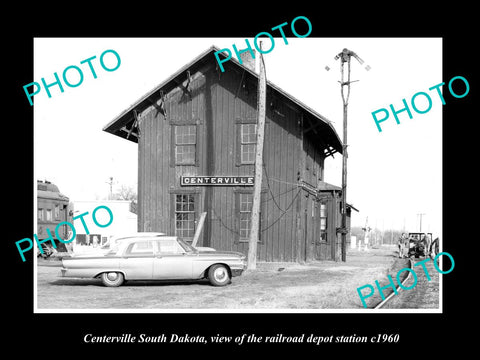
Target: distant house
<point>124,223</point>
<point>196,135</point>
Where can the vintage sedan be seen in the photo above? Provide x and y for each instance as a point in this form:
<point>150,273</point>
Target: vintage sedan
<point>156,258</point>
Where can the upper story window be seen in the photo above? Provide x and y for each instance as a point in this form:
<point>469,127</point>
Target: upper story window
<point>185,140</point>
<point>248,142</point>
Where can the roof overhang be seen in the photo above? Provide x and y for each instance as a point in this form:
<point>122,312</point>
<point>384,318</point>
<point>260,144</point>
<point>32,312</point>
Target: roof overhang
<point>314,124</point>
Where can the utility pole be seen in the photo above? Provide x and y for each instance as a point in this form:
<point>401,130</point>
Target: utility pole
<point>110,196</point>
<point>391,233</point>
<point>366,235</point>
<point>421,215</point>
<point>345,57</point>
<point>255,227</point>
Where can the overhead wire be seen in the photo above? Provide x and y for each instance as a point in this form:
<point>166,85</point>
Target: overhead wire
<point>272,197</point>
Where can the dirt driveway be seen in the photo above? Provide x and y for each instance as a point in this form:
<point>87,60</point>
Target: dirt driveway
<point>319,285</point>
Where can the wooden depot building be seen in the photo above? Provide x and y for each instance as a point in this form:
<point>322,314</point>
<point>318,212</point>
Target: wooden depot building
<point>196,135</point>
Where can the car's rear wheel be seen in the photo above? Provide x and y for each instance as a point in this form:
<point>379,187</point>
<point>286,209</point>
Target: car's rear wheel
<point>218,275</point>
<point>112,279</point>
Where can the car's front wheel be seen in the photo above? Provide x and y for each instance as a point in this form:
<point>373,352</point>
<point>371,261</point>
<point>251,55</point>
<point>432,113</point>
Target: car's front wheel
<point>218,275</point>
<point>112,279</point>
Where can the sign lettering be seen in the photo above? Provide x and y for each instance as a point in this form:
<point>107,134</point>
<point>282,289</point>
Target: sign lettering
<point>217,181</point>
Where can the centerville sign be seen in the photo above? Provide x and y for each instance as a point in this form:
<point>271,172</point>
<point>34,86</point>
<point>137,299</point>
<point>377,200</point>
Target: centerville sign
<point>217,180</point>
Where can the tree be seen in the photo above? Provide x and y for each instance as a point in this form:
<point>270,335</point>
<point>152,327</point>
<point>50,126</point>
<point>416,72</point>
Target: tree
<point>127,193</point>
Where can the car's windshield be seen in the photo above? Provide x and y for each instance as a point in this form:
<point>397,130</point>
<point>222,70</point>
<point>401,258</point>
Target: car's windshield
<point>186,247</point>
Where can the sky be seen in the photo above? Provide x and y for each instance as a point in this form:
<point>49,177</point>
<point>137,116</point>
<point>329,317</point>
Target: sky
<point>393,175</point>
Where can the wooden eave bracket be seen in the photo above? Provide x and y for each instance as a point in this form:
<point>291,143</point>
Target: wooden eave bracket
<point>134,125</point>
<point>160,107</point>
<point>185,88</point>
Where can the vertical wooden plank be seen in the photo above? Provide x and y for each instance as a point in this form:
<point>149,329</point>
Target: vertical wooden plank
<point>332,225</point>
<point>140,177</point>
<point>166,171</point>
<point>151,175</point>
<point>210,120</point>
<point>228,205</point>
<point>301,169</point>
<point>154,166</point>
<point>265,207</point>
<point>171,171</point>
<point>292,178</point>
<point>147,137</point>
<point>283,153</point>
<point>162,162</point>
<point>271,162</point>
<point>218,130</point>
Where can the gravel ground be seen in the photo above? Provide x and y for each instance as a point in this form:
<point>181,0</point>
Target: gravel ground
<point>318,285</point>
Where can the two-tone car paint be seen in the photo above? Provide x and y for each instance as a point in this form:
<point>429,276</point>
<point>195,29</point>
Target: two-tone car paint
<point>154,258</point>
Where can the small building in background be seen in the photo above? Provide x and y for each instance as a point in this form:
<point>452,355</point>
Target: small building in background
<point>124,223</point>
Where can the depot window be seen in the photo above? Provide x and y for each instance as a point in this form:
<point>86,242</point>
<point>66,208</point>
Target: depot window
<point>185,215</point>
<point>185,144</point>
<point>243,209</point>
<point>248,143</point>
<point>246,140</point>
<point>323,222</point>
<point>245,213</point>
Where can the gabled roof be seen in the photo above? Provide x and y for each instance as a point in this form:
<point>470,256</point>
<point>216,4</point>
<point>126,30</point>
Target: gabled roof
<point>318,125</point>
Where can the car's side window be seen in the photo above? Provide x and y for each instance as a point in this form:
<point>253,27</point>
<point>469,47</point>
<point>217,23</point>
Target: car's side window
<point>140,248</point>
<point>169,247</point>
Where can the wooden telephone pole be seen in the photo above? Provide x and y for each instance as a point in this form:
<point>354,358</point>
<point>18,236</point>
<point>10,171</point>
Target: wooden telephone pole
<point>421,216</point>
<point>345,57</point>
<point>255,227</point>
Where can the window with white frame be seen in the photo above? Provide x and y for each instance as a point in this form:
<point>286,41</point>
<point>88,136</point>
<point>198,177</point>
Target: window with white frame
<point>184,215</point>
<point>248,142</point>
<point>185,139</point>
<point>245,208</point>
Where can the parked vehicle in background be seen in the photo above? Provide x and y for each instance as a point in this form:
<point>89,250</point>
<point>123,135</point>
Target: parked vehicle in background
<point>114,241</point>
<point>419,244</point>
<point>156,258</point>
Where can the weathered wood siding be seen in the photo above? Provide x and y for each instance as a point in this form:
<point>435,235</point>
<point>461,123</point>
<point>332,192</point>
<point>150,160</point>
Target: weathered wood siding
<point>218,104</point>
<point>156,175</point>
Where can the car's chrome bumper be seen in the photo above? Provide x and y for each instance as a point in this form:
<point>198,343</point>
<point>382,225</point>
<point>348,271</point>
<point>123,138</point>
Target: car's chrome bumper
<point>237,272</point>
